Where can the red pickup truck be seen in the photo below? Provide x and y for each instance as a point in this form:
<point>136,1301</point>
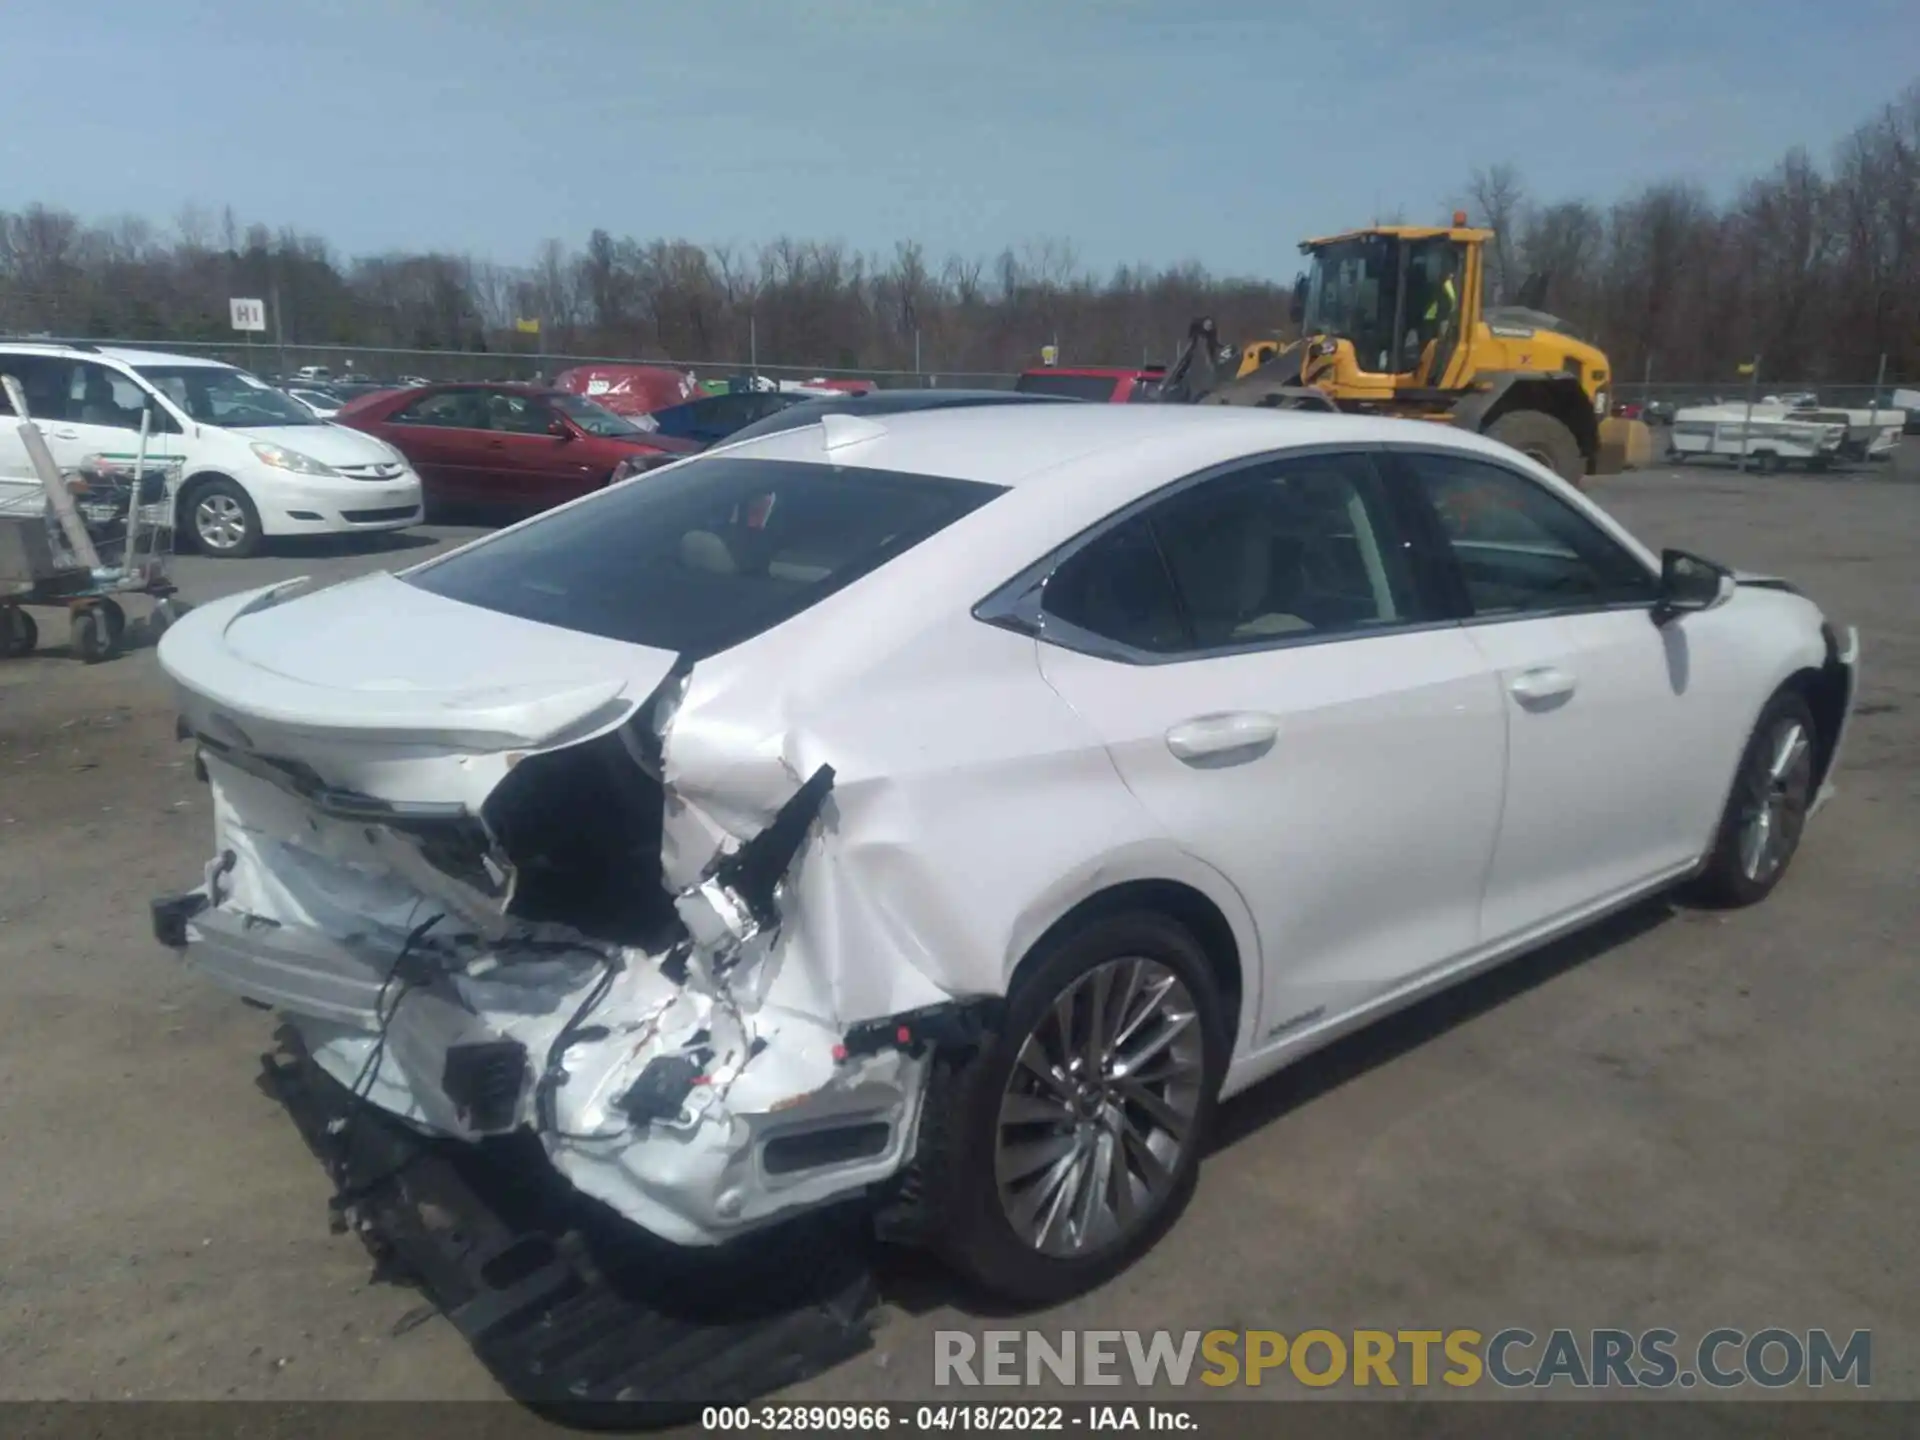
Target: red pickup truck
<point>1107,385</point>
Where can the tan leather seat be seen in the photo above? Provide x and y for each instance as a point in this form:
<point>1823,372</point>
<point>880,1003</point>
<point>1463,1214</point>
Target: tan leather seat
<point>705,551</point>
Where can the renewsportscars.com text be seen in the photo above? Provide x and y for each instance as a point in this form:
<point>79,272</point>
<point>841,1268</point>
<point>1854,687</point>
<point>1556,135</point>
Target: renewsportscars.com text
<point>1513,1358</point>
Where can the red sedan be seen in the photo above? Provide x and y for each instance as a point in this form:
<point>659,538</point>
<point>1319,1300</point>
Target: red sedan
<point>508,445</point>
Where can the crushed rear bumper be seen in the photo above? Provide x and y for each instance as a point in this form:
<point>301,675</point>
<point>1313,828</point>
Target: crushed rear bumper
<point>566,1305</point>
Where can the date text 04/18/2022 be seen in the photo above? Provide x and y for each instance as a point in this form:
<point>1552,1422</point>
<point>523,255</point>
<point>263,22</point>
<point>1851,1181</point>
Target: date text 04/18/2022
<point>943,1418</point>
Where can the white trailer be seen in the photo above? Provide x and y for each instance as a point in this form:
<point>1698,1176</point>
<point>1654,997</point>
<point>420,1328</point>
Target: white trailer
<point>1871,434</point>
<point>1768,435</point>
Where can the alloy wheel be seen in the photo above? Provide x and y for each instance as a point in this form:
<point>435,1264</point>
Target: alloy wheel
<point>218,522</point>
<point>1777,796</point>
<point>1099,1112</point>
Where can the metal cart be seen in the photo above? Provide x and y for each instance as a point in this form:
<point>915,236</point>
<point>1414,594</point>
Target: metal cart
<point>82,541</point>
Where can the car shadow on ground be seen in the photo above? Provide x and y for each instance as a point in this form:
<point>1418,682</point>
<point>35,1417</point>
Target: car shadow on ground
<point>918,1283</point>
<point>143,627</point>
<point>823,1271</point>
<point>1393,1036</point>
<point>377,542</point>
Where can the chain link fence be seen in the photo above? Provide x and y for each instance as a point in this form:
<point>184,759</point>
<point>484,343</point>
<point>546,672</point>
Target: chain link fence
<point>351,363</point>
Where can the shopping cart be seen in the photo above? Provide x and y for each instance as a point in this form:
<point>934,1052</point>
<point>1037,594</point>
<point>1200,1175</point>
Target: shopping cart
<point>82,540</point>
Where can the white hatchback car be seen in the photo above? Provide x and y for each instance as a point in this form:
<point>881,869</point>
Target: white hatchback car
<point>257,463</point>
<point>950,808</point>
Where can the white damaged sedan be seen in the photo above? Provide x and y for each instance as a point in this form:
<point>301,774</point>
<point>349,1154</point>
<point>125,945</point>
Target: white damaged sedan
<point>948,810</point>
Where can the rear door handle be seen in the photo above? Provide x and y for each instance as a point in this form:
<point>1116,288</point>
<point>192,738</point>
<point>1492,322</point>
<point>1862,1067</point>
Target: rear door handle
<point>1211,742</point>
<point>64,434</point>
<point>1541,685</point>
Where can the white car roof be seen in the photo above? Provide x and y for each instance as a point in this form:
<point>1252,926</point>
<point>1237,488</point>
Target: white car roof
<point>121,353</point>
<point>161,357</point>
<point>1142,445</point>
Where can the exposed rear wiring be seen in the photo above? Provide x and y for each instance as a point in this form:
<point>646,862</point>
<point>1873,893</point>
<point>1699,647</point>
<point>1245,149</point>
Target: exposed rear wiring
<point>384,1012</point>
<point>554,1074</point>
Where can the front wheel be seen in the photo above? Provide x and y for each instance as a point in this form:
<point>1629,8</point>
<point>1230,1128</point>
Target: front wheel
<point>1076,1136</point>
<point>221,518</point>
<point>1772,791</point>
<point>1544,439</point>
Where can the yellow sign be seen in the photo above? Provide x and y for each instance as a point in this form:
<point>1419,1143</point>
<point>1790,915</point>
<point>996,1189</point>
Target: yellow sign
<point>527,327</point>
<point>1746,369</point>
<point>1049,354</point>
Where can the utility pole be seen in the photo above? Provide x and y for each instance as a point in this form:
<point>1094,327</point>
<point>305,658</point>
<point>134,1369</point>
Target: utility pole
<point>1646,383</point>
<point>279,331</point>
<point>1746,430</point>
<point>1873,405</point>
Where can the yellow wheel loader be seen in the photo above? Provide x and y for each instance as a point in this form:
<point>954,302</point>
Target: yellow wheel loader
<point>1394,322</point>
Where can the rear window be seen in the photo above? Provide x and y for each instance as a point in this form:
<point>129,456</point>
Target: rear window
<point>703,556</point>
<point>1078,387</point>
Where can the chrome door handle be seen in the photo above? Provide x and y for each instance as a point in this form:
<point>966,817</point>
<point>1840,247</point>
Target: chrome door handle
<point>1209,742</point>
<point>1542,684</point>
<point>64,434</point>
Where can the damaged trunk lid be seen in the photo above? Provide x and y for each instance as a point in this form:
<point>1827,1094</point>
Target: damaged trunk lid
<point>498,763</point>
<point>388,690</point>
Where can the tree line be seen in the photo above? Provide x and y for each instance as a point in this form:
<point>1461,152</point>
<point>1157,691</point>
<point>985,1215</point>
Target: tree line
<point>1816,269</point>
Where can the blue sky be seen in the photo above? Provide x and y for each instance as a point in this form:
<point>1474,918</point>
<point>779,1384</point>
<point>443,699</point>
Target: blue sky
<point>1139,130</point>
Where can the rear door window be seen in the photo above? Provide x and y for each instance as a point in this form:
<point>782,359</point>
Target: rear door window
<point>450,409</point>
<point>1118,588</point>
<point>705,555</point>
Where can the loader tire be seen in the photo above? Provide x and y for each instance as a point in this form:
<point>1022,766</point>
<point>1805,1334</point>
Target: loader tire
<point>1540,437</point>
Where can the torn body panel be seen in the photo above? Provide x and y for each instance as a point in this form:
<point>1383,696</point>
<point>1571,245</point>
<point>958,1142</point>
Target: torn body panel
<point>319,918</point>
<point>677,895</point>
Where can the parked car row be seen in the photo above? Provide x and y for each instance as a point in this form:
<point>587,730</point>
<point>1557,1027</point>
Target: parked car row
<point>319,454</point>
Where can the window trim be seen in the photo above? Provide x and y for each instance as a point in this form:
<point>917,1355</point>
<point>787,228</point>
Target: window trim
<point>1403,478</point>
<point>540,405</point>
<point>1015,604</point>
<point>394,416</point>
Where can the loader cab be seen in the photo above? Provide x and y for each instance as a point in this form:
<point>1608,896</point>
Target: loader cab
<point>1402,299</point>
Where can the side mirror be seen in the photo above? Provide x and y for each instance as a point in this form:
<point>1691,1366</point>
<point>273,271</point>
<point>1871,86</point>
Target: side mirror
<point>559,429</point>
<point>1297,309</point>
<point>1689,583</point>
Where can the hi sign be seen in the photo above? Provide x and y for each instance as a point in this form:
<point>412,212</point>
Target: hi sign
<point>248,314</point>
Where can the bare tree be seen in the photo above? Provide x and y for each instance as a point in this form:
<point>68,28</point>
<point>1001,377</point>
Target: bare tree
<point>1495,197</point>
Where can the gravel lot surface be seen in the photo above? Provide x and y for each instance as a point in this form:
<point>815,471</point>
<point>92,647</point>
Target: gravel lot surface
<point>1684,1119</point>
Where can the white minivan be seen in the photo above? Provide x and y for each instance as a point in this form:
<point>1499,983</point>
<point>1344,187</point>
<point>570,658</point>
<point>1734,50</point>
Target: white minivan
<point>257,463</point>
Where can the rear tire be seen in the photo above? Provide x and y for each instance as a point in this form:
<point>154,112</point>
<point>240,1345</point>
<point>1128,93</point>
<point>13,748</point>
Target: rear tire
<point>1761,826</point>
<point>18,633</point>
<point>1066,1156</point>
<point>1542,438</point>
